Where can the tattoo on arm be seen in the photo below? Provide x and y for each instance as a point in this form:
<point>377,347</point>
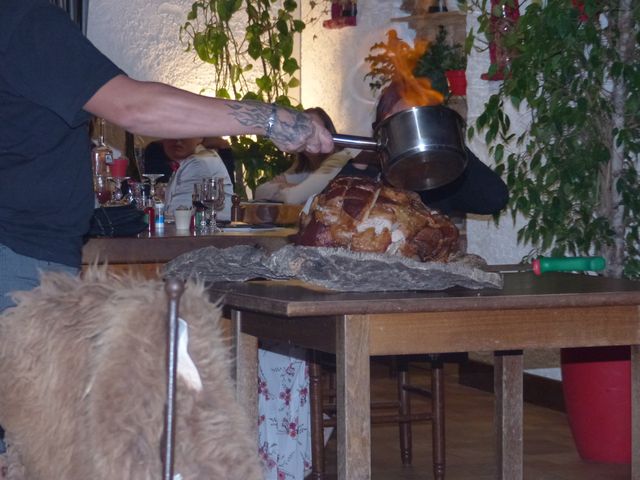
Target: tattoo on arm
<point>291,126</point>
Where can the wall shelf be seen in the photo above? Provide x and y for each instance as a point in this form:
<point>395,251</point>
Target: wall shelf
<point>426,25</point>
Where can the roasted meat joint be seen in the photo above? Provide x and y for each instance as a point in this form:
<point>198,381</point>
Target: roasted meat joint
<point>364,215</point>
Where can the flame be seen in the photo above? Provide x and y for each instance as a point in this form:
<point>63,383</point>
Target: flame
<point>415,91</point>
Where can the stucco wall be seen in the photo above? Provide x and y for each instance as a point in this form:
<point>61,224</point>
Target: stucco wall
<point>142,37</point>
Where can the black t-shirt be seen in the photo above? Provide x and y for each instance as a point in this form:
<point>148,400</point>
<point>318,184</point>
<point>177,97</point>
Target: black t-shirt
<point>48,71</point>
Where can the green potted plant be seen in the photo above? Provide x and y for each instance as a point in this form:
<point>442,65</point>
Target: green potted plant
<point>256,62</point>
<point>573,173</point>
<point>445,65</point>
<point>435,61</point>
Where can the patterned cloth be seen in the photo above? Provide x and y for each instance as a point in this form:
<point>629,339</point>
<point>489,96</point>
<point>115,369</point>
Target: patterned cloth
<point>284,429</point>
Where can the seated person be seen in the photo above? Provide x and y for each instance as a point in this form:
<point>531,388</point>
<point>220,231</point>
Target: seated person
<point>194,163</point>
<point>223,148</point>
<point>310,172</point>
<point>478,190</point>
<point>157,161</point>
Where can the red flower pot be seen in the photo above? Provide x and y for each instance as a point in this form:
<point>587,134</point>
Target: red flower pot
<point>597,390</point>
<point>457,81</point>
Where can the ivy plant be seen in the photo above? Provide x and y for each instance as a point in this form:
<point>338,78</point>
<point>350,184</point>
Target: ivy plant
<point>573,173</point>
<point>253,62</point>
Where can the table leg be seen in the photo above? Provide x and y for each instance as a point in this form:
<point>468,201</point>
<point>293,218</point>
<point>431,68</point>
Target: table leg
<point>635,412</point>
<point>508,414</point>
<point>353,397</point>
<point>244,358</point>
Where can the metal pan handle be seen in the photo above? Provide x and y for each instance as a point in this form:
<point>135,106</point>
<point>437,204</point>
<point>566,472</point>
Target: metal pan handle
<point>353,141</point>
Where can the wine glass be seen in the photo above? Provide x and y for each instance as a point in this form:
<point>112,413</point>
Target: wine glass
<point>153,178</point>
<point>199,207</point>
<point>118,175</point>
<point>138,153</point>
<point>117,194</point>
<point>102,189</point>
<point>212,191</point>
<point>218,205</point>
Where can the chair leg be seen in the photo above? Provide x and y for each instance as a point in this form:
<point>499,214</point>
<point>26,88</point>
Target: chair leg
<point>404,411</point>
<point>317,430</point>
<point>437,430</point>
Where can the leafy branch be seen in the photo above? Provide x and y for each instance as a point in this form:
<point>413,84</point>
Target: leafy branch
<point>256,62</point>
<point>573,173</point>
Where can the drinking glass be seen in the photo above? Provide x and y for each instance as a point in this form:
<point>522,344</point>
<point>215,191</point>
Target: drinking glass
<point>102,188</point>
<point>212,190</point>
<point>119,175</point>
<point>153,178</point>
<point>138,153</point>
<point>218,205</point>
<point>199,207</point>
<point>136,193</point>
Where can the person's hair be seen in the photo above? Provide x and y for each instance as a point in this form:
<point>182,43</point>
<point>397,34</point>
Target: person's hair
<point>389,96</point>
<point>303,162</point>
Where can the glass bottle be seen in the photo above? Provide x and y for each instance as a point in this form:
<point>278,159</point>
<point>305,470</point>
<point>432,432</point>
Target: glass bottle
<point>199,208</point>
<point>101,154</point>
<point>236,210</point>
<point>150,214</point>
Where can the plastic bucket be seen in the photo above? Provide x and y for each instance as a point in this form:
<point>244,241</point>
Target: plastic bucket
<point>597,391</point>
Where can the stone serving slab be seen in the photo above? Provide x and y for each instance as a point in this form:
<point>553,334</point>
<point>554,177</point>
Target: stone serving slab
<point>332,268</point>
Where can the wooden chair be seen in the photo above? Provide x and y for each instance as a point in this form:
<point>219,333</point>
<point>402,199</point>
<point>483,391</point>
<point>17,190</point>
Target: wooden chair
<point>404,417</point>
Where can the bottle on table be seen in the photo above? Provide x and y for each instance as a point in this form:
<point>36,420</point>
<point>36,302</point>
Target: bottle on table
<point>150,214</point>
<point>236,212</point>
<point>159,211</point>
<point>101,154</point>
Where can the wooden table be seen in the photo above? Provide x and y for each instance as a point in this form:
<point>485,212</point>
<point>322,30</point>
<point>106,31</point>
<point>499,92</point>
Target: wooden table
<point>552,311</point>
<point>158,247</point>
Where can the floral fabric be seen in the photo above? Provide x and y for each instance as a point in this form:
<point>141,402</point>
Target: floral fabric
<point>284,415</point>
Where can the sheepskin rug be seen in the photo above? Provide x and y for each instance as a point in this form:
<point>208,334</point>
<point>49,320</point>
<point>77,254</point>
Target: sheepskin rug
<point>83,384</point>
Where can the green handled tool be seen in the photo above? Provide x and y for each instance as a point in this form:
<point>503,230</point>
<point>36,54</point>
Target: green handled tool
<point>554,264</point>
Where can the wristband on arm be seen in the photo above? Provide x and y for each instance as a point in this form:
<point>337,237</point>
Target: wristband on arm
<point>271,121</point>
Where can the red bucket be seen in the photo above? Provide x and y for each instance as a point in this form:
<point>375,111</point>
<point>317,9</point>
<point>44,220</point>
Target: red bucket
<point>597,391</point>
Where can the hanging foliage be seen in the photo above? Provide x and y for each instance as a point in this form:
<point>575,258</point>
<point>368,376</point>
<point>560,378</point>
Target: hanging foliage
<point>250,43</point>
<point>575,70</point>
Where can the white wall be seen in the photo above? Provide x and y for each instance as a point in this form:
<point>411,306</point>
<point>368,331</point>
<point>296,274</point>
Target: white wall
<point>142,38</point>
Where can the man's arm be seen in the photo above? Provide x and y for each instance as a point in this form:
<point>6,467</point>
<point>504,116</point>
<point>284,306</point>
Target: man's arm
<point>159,110</point>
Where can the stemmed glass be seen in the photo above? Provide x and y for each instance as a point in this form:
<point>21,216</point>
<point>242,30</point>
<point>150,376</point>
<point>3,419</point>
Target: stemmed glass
<point>138,153</point>
<point>218,205</point>
<point>199,208</point>
<point>213,198</point>
<point>102,189</point>
<point>118,175</point>
<point>153,178</point>
<point>117,195</point>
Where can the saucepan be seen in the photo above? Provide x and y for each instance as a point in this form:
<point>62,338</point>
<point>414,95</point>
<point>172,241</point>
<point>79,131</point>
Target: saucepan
<point>420,148</point>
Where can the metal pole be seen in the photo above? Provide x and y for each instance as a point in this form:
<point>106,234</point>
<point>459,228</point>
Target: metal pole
<point>174,288</point>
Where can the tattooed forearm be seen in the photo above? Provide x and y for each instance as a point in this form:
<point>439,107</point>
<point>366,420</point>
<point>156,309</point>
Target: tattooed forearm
<point>251,114</point>
<point>290,127</point>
